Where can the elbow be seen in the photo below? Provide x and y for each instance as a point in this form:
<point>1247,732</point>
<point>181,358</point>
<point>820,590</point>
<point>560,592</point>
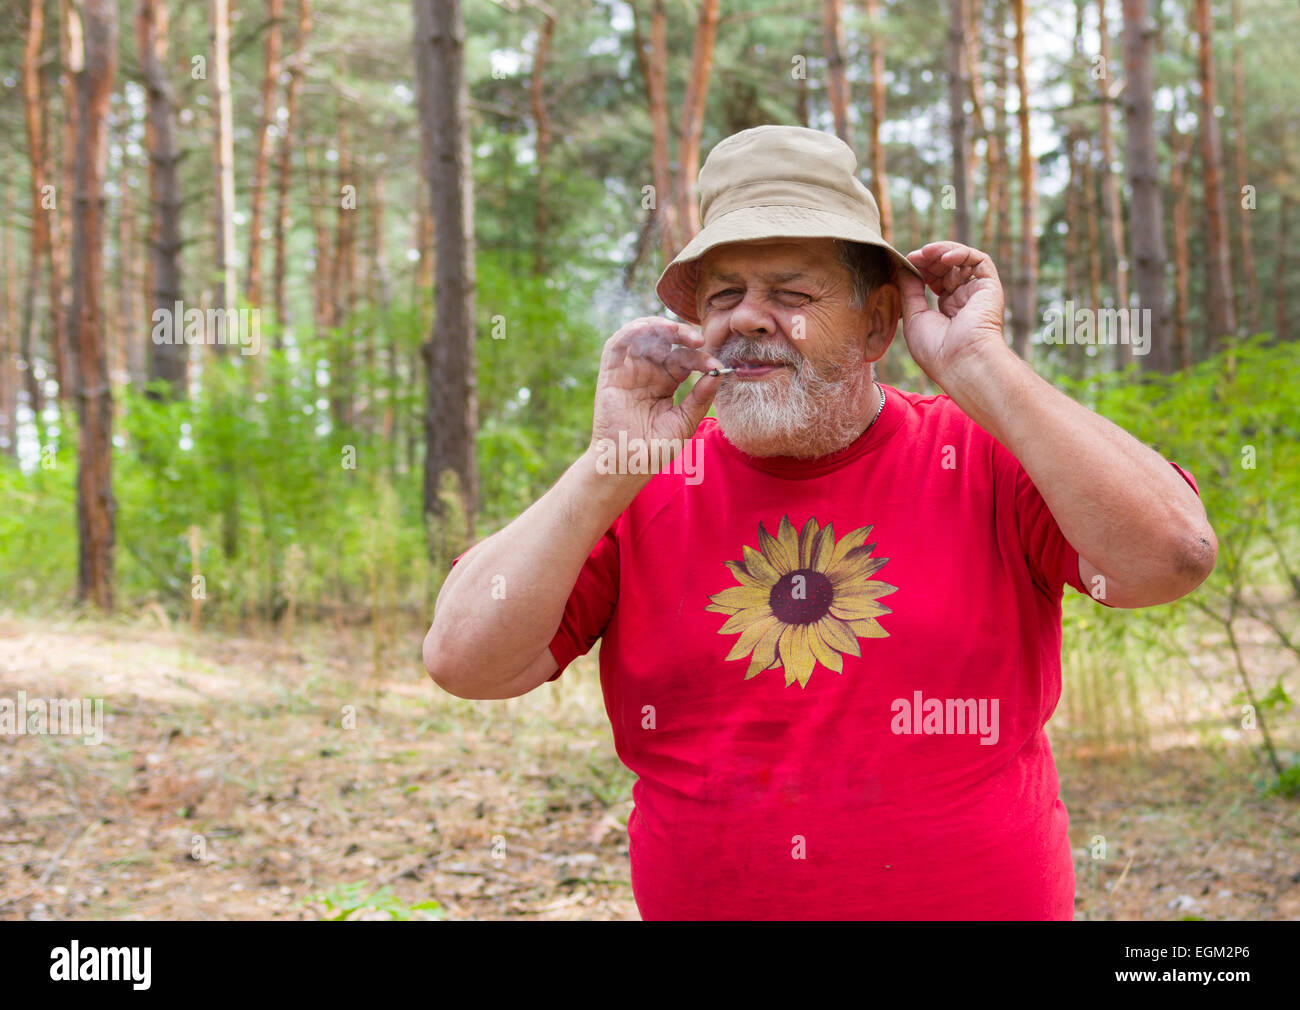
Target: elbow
<point>1197,551</point>
<point>436,664</point>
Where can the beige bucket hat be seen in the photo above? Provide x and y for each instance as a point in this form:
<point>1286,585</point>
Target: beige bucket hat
<point>775,182</point>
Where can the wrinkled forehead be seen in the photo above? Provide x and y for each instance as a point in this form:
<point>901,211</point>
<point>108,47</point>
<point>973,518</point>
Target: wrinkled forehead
<point>783,258</point>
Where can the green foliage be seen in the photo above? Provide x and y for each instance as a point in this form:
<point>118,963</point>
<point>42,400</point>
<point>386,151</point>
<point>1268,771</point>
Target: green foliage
<point>345,902</point>
<point>1234,423</point>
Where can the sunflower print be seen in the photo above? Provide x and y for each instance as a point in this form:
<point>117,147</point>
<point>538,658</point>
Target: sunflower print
<point>804,598</point>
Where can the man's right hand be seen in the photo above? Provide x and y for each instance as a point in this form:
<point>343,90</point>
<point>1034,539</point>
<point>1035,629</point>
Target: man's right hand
<point>640,369</point>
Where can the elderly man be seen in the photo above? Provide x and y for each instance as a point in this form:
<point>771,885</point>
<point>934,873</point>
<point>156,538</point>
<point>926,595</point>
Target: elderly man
<point>830,646</point>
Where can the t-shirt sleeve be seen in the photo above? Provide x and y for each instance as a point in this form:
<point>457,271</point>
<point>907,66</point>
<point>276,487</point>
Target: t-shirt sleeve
<point>590,604</point>
<point>1052,561</point>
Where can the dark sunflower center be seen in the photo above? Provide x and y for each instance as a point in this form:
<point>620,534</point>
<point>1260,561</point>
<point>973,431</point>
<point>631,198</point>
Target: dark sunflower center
<point>801,597</point>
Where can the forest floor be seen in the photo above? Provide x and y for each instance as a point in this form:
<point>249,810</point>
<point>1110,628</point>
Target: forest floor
<point>240,778</point>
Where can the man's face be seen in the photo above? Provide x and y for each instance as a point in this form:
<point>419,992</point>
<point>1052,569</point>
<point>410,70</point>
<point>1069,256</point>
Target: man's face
<point>779,312</point>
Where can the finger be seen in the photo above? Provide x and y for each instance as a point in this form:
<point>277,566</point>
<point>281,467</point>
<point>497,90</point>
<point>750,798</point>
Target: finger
<point>696,403</point>
<point>682,361</point>
<point>913,292</point>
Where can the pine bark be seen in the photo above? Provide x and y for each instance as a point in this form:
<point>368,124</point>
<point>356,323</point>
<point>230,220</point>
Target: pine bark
<point>879,179</point>
<point>42,237</point>
<point>958,84</point>
<point>661,157</point>
<point>542,122</point>
<point>1109,180</point>
<point>1025,289</point>
<point>1146,213</point>
<point>1248,312</point>
<point>1218,289</point>
<point>837,81</point>
<point>166,361</point>
<point>224,160</point>
<point>262,156</point>
<point>95,504</point>
<point>284,167</point>
<point>688,145</point>
<point>451,402</point>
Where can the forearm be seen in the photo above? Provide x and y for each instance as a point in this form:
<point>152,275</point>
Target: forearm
<point>1118,503</point>
<point>502,603</point>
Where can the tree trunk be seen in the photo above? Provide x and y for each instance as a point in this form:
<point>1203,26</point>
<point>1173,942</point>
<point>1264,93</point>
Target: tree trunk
<point>9,330</point>
<point>997,223</point>
<point>1218,289</point>
<point>1279,280</point>
<point>837,81</point>
<point>95,504</point>
<point>270,80</point>
<point>1110,196</point>
<point>128,332</point>
<point>879,180</point>
<point>224,154</point>
<point>958,84</point>
<point>1025,290</point>
<point>1091,212</point>
<point>661,156</point>
<point>41,236</point>
<point>688,146</point>
<point>1180,146</point>
<point>342,283</point>
<point>71,58</point>
<point>1250,314</point>
<point>450,406</point>
<point>167,362</point>
<point>284,169</point>
<point>1147,215</point>
<point>537,101</point>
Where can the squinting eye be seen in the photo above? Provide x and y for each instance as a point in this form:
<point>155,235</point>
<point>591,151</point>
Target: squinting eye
<point>723,294</point>
<point>796,294</point>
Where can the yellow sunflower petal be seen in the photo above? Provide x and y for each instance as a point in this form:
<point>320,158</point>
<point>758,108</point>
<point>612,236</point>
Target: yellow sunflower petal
<point>868,627</point>
<point>822,649</point>
<point>854,570</point>
<point>740,598</point>
<point>855,608</point>
<point>807,537</point>
<point>823,548</point>
<point>783,557</point>
<point>742,619</point>
<point>838,635</point>
<point>744,576</point>
<point>850,540</point>
<point>796,655</point>
<point>869,590</point>
<point>765,657</point>
<point>751,635</point>
<point>759,567</point>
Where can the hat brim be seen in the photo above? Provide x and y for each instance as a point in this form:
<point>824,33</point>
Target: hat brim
<point>676,285</point>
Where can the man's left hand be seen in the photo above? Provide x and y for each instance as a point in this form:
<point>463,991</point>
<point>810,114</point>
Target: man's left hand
<point>969,317</point>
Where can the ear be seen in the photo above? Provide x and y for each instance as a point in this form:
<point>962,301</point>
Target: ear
<point>883,310</point>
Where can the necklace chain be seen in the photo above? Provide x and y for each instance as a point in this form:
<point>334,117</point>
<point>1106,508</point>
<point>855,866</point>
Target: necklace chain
<point>879,409</point>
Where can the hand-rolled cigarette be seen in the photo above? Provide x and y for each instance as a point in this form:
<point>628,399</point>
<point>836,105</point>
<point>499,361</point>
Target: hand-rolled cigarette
<point>714,371</point>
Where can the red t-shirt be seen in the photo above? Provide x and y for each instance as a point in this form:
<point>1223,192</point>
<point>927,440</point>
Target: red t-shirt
<point>775,637</point>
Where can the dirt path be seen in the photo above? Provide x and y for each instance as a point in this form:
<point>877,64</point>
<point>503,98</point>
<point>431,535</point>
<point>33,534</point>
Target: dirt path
<point>243,779</point>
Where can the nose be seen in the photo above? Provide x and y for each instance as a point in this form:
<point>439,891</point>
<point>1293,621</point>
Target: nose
<point>750,318</point>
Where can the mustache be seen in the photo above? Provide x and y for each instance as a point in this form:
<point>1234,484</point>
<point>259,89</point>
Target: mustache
<point>739,349</point>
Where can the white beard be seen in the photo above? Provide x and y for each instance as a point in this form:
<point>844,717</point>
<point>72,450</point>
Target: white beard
<point>808,413</point>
